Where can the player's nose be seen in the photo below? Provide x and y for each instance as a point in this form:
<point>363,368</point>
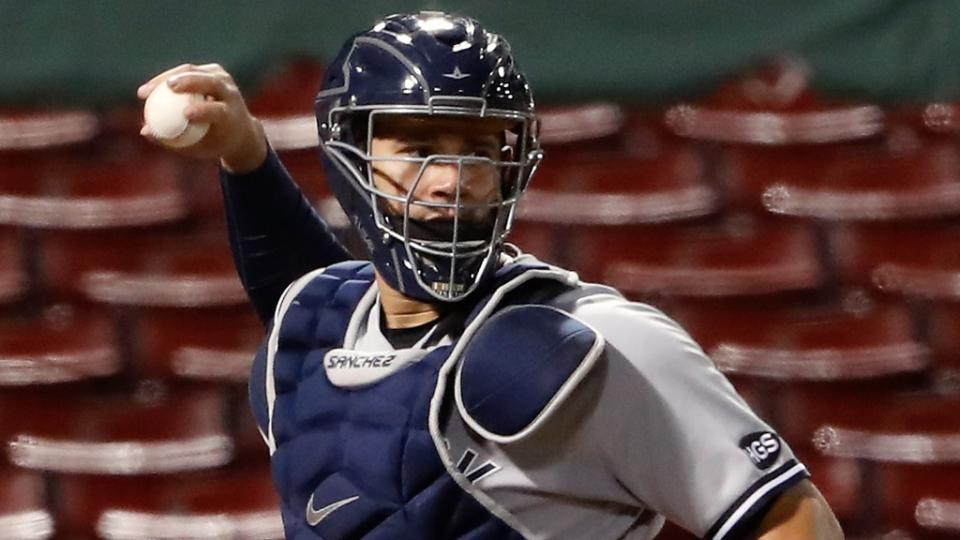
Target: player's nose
<point>441,179</point>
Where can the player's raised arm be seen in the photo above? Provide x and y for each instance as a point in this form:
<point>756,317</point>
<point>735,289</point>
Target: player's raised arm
<point>275,234</point>
<point>685,444</point>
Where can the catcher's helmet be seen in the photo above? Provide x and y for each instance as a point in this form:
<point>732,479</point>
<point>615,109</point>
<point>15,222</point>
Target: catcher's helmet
<point>429,65</point>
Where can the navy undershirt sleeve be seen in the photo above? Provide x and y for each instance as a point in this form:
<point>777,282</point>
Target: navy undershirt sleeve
<point>275,234</point>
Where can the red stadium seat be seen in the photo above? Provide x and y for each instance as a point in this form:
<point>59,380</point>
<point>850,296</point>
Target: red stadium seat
<point>912,259</point>
<point>248,444</point>
<point>607,189</point>
<point>581,123</point>
<point>13,278</point>
<point>143,268</point>
<point>775,106</point>
<point>284,105</point>
<point>209,344</point>
<point>848,182</point>
<point>157,429</point>
<point>944,328</point>
<point>226,503</point>
<point>65,343</point>
<point>924,499</point>
<point>23,512</point>
<point>90,193</point>
<point>540,239</point>
<point>736,257</point>
<point>792,341</point>
<point>36,129</point>
<point>874,425</point>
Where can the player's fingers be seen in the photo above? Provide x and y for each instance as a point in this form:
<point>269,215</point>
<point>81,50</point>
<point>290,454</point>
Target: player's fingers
<point>207,84</point>
<point>209,112</point>
<point>213,69</point>
<point>144,90</point>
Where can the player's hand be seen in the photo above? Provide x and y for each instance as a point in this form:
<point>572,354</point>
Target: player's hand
<point>235,136</point>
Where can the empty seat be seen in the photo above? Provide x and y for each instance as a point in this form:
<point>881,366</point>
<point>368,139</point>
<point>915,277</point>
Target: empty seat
<point>919,259</point>
<point>209,344</point>
<point>944,332</point>
<point>875,425</point>
<point>91,192</point>
<point>540,239</point>
<point>774,105</point>
<point>734,257</point>
<point>610,189</point>
<point>13,276</point>
<point>284,105</point>
<point>157,429</point>
<point>803,341</point>
<point>64,343</point>
<point>170,269</point>
<point>921,498</point>
<point>580,123</point>
<point>848,182</point>
<point>225,503</point>
<point>37,129</point>
<point>23,511</point>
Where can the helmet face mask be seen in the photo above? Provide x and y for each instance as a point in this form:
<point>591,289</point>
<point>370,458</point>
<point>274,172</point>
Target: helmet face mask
<point>428,246</point>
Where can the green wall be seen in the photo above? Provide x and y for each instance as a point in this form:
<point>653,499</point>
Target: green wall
<point>97,52</point>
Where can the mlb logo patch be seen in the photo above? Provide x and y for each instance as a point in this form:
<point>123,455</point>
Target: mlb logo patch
<point>762,447</point>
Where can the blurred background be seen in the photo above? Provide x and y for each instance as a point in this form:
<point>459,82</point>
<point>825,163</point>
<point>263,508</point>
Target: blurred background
<point>783,178</point>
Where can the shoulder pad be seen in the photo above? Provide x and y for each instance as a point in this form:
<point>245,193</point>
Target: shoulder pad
<point>519,366</point>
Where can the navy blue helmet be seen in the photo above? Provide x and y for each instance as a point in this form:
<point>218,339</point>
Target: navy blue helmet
<point>427,65</point>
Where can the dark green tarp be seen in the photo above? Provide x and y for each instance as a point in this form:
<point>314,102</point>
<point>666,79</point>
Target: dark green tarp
<point>97,52</point>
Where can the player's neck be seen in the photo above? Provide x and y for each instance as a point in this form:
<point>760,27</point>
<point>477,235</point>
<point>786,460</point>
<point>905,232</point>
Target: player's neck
<point>402,311</point>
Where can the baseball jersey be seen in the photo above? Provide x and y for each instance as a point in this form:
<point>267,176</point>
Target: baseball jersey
<point>653,431</point>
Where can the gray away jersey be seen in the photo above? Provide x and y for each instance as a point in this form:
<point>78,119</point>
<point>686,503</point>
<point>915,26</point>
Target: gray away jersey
<point>653,431</point>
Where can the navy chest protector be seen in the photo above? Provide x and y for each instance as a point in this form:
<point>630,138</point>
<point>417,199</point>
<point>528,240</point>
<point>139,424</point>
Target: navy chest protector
<point>360,462</point>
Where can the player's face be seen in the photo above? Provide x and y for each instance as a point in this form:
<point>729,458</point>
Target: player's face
<point>419,137</point>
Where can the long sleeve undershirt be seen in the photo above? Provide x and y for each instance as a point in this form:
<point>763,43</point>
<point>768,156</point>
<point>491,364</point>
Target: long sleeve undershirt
<point>276,235</point>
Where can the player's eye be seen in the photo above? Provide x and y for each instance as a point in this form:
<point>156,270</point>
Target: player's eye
<point>485,152</point>
<point>416,150</point>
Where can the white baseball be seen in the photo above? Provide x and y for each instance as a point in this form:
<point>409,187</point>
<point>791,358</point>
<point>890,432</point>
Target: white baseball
<point>163,113</point>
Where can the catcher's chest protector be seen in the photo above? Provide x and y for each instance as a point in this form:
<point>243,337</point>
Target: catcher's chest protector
<point>359,462</point>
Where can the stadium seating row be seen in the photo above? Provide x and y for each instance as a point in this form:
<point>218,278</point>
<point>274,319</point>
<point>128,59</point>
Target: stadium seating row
<point>806,243</point>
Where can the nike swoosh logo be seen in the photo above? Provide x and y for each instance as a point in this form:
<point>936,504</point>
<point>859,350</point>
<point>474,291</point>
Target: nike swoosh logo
<point>316,516</point>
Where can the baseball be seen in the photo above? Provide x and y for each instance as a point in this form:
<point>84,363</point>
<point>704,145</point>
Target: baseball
<point>163,113</point>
